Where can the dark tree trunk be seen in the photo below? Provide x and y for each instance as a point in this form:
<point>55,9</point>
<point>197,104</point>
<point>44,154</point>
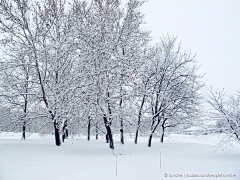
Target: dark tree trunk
<point>89,127</point>
<point>97,130</point>
<point>121,133</point>
<point>122,138</point>
<point>153,125</point>
<point>136,136</point>
<point>66,134</point>
<point>153,129</point>
<point>24,130</point>
<point>139,118</point>
<point>57,134</point>
<point>65,131</point>
<point>163,129</point>
<point>109,137</point>
<point>121,119</point>
<point>150,140</point>
<point>108,124</point>
<point>25,112</point>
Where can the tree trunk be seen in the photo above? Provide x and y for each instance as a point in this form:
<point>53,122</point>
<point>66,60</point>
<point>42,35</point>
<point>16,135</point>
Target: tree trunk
<point>139,118</point>
<point>136,136</point>
<point>89,127</point>
<point>97,130</point>
<point>153,129</point>
<point>121,133</point>
<point>57,134</point>
<point>24,131</point>
<point>63,137</point>
<point>163,129</point>
<point>65,131</point>
<point>66,134</point>
<point>121,119</point>
<point>122,138</point>
<point>25,111</point>
<point>109,136</point>
<point>150,140</point>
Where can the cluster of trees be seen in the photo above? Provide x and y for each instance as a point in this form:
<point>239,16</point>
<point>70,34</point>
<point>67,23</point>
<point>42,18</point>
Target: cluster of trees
<point>88,64</point>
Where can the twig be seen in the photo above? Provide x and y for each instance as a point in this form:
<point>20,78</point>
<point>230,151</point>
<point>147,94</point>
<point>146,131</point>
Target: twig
<point>116,158</point>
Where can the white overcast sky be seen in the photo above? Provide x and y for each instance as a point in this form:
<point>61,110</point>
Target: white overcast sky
<point>209,28</point>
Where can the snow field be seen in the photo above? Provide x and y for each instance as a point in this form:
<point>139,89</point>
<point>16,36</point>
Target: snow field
<point>78,159</point>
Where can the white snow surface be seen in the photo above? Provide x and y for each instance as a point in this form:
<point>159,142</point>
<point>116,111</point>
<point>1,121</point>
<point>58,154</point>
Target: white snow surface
<point>182,156</point>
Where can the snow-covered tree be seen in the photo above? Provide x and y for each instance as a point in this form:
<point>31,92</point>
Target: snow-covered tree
<point>110,41</point>
<point>227,111</point>
<point>19,88</point>
<point>42,28</point>
<point>174,86</point>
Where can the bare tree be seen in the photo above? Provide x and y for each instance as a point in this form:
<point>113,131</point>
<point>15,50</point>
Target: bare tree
<point>18,84</point>
<point>227,110</point>
<point>174,86</point>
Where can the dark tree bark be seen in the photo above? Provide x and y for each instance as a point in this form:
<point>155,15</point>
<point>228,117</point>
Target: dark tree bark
<point>63,137</point>
<point>153,129</point>
<point>139,119</point>
<point>155,111</point>
<point>25,108</point>
<point>163,130</point>
<point>57,134</point>
<point>121,123</point>
<point>24,130</point>
<point>65,131</point>
<point>122,138</point>
<point>66,134</point>
<point>89,127</point>
<point>109,136</point>
<point>96,130</point>
<point>108,124</point>
<point>136,136</point>
<point>150,140</point>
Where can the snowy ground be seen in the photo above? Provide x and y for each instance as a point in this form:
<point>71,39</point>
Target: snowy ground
<point>37,158</point>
